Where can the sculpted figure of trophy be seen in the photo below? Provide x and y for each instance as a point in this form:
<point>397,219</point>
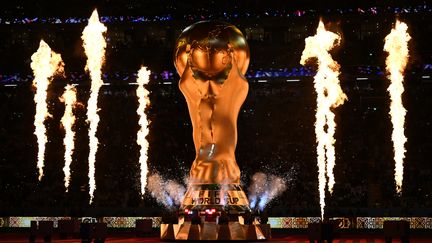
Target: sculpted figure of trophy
<point>211,58</point>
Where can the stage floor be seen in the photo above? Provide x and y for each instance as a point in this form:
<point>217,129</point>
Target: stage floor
<point>277,237</point>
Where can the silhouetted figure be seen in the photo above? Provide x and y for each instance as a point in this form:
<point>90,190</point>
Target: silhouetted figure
<point>33,231</point>
<point>196,219</point>
<point>223,218</point>
<point>169,217</point>
<point>263,219</point>
<point>86,232</point>
<point>248,218</point>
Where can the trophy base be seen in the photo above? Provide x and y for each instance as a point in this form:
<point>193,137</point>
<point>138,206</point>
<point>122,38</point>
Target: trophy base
<point>215,212</point>
<point>226,197</point>
<point>213,231</point>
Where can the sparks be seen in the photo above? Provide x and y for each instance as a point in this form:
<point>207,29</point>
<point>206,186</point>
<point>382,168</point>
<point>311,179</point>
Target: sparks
<point>329,95</point>
<point>144,101</point>
<point>396,44</point>
<point>94,46</point>
<point>67,121</point>
<point>45,64</point>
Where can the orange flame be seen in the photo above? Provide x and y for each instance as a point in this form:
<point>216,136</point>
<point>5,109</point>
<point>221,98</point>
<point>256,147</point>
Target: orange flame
<point>329,95</point>
<point>67,121</point>
<point>144,101</point>
<point>94,46</point>
<point>45,64</point>
<point>396,44</point>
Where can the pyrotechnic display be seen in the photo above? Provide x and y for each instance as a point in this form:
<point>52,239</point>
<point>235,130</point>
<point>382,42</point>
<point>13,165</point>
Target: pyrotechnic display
<point>396,45</point>
<point>216,121</point>
<point>68,121</point>
<point>94,46</point>
<point>144,101</point>
<point>329,96</point>
<point>45,64</point>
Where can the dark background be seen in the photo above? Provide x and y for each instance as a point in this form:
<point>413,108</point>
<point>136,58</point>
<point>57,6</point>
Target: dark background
<point>276,123</point>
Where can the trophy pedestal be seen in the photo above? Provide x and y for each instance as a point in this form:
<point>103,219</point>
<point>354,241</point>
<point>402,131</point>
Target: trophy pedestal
<point>211,231</point>
<point>215,212</point>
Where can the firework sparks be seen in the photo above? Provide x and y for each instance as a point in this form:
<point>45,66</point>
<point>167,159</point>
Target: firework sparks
<point>396,44</point>
<point>94,46</point>
<point>168,192</point>
<point>45,64</point>
<point>264,188</point>
<point>329,95</point>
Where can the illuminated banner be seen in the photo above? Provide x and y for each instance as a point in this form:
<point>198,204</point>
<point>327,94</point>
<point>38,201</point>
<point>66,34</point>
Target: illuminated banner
<point>215,195</point>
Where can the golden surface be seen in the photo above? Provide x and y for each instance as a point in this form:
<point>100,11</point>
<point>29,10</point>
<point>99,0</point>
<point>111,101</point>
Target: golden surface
<point>211,59</point>
<point>213,231</point>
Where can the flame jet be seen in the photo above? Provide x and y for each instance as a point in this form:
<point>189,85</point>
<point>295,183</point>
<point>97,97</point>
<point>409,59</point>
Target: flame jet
<point>329,95</point>
<point>396,44</point>
<point>67,121</point>
<point>144,101</point>
<point>94,46</point>
<point>45,64</point>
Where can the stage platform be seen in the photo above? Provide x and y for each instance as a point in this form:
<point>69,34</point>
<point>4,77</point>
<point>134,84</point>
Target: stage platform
<point>286,237</point>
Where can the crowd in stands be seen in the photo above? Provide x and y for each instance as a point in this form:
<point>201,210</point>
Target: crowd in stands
<point>228,15</point>
<point>270,74</point>
<point>126,78</point>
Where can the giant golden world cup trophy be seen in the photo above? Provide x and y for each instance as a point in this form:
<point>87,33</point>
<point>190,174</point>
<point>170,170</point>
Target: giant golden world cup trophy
<point>211,58</point>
